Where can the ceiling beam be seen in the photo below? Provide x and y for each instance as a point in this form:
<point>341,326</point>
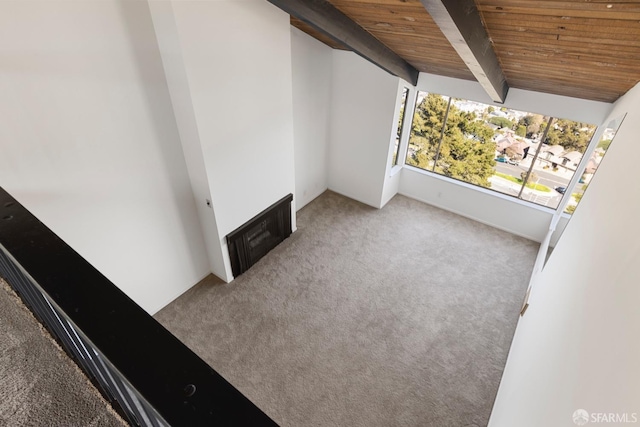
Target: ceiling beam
<point>323,16</point>
<point>461,24</point>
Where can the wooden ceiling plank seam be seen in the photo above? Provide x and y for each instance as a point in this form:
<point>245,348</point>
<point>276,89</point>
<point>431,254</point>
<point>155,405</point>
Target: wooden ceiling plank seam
<point>552,87</point>
<point>497,35</point>
<point>573,75</point>
<point>568,61</point>
<point>628,16</point>
<point>511,49</point>
<point>574,61</point>
<point>571,80</point>
<point>497,17</point>
<point>562,47</point>
<point>587,32</point>
<point>623,74</point>
<point>566,85</point>
<point>516,31</point>
<point>599,78</point>
<point>599,25</point>
<point>604,7</point>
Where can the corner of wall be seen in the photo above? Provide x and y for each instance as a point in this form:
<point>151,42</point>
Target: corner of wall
<point>362,111</point>
<point>311,82</point>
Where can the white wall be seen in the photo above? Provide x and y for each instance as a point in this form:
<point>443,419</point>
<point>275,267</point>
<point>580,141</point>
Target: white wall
<point>577,346</point>
<point>393,174</point>
<point>362,111</point>
<point>499,211</point>
<point>391,185</point>
<point>237,61</point>
<point>564,107</point>
<point>89,142</point>
<point>311,69</point>
<point>173,62</point>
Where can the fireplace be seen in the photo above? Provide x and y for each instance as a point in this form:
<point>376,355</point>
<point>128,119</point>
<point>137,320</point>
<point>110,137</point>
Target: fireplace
<point>252,240</point>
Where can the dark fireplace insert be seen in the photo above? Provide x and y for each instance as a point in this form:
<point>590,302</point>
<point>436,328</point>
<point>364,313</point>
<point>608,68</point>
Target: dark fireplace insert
<point>252,240</point>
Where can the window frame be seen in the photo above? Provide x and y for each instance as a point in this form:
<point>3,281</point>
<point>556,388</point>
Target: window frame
<point>400,127</point>
<point>570,187</point>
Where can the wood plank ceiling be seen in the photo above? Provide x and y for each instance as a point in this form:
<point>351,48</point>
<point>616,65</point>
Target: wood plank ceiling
<point>580,48</point>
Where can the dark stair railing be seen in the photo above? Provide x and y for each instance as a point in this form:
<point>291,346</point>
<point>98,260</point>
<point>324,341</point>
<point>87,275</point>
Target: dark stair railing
<point>149,376</point>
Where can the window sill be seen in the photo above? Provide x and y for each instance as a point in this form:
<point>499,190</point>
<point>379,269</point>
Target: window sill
<point>395,169</point>
<point>486,191</point>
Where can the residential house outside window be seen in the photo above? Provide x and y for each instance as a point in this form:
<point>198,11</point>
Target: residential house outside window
<point>504,150</point>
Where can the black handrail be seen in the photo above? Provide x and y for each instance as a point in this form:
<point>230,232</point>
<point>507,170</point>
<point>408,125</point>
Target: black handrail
<point>148,375</point>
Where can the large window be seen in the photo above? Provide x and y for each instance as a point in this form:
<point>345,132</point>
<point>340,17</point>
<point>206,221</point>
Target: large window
<point>524,155</point>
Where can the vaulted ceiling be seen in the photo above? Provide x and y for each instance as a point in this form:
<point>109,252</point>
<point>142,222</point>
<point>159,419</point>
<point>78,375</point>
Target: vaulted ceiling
<point>580,48</point>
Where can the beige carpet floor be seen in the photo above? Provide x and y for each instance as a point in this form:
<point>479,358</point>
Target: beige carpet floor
<point>363,317</point>
<point>39,384</point>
